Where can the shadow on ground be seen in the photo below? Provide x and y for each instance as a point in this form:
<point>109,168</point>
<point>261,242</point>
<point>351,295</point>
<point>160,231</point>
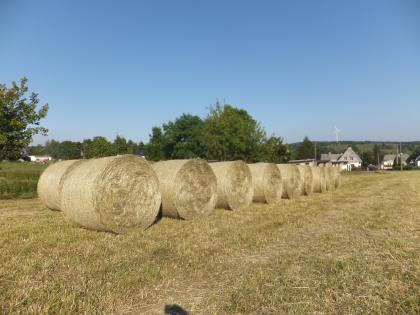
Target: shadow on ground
<point>174,309</point>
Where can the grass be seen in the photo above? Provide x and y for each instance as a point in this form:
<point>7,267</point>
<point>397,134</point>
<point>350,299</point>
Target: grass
<point>353,251</point>
<point>19,180</point>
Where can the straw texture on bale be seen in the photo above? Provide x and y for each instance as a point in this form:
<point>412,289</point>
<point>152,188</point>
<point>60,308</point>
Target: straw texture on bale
<point>318,176</point>
<point>266,182</point>
<point>51,182</point>
<point>292,182</point>
<point>234,184</point>
<point>329,177</point>
<point>113,194</point>
<point>189,188</point>
<point>307,179</point>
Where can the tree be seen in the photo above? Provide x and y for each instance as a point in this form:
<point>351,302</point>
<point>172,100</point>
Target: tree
<point>183,137</point>
<point>306,150</point>
<point>120,145</point>
<point>68,150</point>
<point>19,119</point>
<point>232,134</point>
<point>275,151</point>
<point>97,147</point>
<point>368,158</point>
<point>377,154</point>
<point>154,150</point>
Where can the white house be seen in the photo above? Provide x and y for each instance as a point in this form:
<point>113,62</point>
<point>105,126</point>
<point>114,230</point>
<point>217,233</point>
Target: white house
<point>388,161</point>
<point>346,161</point>
<point>310,162</point>
<point>417,161</point>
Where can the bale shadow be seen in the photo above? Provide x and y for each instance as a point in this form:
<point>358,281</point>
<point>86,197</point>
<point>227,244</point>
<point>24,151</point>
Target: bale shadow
<point>174,309</point>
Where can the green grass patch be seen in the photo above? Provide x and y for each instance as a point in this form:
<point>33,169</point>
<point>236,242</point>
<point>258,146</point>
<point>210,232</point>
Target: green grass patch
<point>19,180</point>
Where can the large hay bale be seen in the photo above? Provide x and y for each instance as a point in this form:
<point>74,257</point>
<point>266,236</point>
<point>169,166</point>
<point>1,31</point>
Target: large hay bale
<point>266,182</point>
<point>320,184</point>
<point>234,184</point>
<point>51,181</point>
<point>114,194</point>
<point>307,179</point>
<point>189,188</point>
<point>337,177</point>
<point>318,175</point>
<point>329,177</point>
<point>292,182</point>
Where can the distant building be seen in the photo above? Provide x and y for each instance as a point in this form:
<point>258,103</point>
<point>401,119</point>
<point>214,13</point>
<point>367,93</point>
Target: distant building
<point>310,162</point>
<point>345,161</point>
<point>39,159</point>
<point>389,159</point>
<point>417,161</point>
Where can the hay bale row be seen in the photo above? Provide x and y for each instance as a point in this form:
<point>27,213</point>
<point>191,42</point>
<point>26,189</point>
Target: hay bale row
<point>292,181</point>
<point>124,192</point>
<point>234,184</point>
<point>266,182</point>
<point>188,187</point>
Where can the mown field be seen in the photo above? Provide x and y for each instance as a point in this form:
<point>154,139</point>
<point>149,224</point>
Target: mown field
<point>353,251</point>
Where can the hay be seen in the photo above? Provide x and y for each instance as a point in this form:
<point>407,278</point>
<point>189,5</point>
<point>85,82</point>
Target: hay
<point>51,182</point>
<point>329,177</point>
<point>292,182</point>
<point>307,179</point>
<point>337,177</point>
<point>114,194</point>
<point>319,179</point>
<point>266,182</point>
<point>189,188</point>
<point>234,184</point>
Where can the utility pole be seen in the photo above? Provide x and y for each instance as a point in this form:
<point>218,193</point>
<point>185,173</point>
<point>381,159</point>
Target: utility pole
<point>315,152</point>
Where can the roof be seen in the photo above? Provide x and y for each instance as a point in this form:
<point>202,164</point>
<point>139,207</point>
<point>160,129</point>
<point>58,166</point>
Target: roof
<point>330,156</point>
<point>388,157</point>
<point>350,153</point>
<point>301,161</point>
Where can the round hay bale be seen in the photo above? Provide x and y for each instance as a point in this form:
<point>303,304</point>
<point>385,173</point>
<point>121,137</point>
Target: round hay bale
<point>189,188</point>
<point>329,177</point>
<point>337,177</point>
<point>51,181</point>
<point>113,194</point>
<point>318,175</point>
<point>307,179</point>
<point>234,184</point>
<point>292,182</point>
<point>266,182</point>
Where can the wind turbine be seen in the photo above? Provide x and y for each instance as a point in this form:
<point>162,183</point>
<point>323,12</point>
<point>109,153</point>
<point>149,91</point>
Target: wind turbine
<point>337,134</point>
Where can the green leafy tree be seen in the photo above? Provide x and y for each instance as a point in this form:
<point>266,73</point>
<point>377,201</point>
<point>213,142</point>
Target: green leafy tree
<point>19,119</point>
<point>368,158</point>
<point>183,137</point>
<point>306,150</point>
<point>154,150</point>
<point>275,151</point>
<point>120,145</point>
<point>97,147</point>
<point>68,150</point>
<point>36,150</point>
<point>230,133</point>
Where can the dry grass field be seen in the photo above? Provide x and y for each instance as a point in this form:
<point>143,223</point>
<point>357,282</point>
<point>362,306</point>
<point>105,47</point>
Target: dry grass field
<point>356,251</point>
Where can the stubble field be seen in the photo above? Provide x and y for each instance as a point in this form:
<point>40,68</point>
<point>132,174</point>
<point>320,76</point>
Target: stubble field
<point>354,250</point>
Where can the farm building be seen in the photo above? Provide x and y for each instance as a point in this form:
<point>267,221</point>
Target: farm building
<point>310,162</point>
<point>388,161</point>
<point>40,159</point>
<point>417,161</point>
<point>346,161</point>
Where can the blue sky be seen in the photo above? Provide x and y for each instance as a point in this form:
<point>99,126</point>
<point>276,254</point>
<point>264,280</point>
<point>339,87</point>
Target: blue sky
<point>299,67</point>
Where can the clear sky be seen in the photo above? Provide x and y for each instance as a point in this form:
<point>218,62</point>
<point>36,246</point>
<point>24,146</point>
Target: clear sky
<point>299,67</point>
